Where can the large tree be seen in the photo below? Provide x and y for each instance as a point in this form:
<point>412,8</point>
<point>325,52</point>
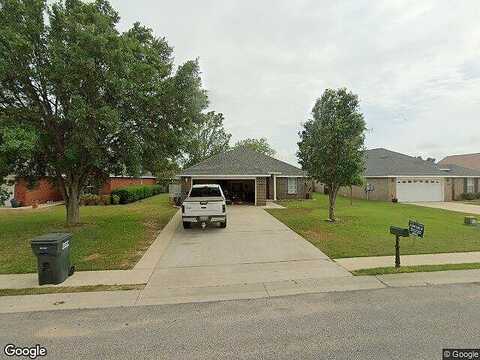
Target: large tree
<point>331,147</point>
<point>207,137</point>
<point>260,145</point>
<point>79,100</point>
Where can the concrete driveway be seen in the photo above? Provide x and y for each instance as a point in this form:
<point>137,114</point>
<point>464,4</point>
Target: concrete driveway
<point>452,206</point>
<point>254,249</point>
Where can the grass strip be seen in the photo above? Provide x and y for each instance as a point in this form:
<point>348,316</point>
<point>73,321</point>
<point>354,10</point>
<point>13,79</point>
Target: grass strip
<point>69,289</point>
<point>418,268</point>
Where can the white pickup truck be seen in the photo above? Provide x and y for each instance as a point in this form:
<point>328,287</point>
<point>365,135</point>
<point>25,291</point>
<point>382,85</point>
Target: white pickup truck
<point>205,204</point>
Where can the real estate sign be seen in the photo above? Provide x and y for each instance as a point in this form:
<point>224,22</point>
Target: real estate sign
<point>416,229</point>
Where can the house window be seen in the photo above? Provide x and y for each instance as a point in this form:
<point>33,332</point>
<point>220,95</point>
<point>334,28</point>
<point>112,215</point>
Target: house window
<point>292,185</point>
<point>470,185</point>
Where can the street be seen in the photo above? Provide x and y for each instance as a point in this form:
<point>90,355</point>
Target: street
<point>403,323</point>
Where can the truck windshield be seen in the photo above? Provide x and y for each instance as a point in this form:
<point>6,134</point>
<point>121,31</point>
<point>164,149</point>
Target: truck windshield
<point>205,191</point>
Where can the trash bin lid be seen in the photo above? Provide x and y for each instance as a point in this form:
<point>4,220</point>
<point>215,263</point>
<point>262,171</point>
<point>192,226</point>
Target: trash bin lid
<point>52,238</point>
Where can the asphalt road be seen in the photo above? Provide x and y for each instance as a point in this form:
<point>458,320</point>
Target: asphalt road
<point>406,323</point>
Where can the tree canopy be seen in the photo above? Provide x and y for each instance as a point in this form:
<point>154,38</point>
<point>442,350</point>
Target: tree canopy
<point>79,100</point>
<point>260,145</point>
<point>205,138</point>
<point>331,147</point>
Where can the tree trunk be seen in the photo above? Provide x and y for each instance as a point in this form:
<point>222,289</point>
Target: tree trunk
<point>332,197</point>
<point>73,211</point>
<point>72,203</point>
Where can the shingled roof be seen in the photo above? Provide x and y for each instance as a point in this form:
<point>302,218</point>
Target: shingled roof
<point>470,161</point>
<point>382,162</point>
<point>457,170</point>
<point>242,161</point>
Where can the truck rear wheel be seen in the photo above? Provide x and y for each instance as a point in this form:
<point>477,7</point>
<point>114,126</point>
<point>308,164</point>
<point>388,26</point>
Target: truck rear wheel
<point>187,225</point>
<point>223,224</point>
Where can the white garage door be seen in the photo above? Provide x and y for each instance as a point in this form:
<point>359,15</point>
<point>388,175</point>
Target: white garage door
<point>418,190</point>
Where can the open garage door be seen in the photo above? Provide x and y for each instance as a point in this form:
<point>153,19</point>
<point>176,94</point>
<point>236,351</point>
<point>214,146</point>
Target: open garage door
<point>237,191</point>
<point>419,190</point>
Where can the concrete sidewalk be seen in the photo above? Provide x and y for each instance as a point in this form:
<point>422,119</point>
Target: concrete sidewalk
<point>272,205</point>
<point>13,304</point>
<point>358,263</point>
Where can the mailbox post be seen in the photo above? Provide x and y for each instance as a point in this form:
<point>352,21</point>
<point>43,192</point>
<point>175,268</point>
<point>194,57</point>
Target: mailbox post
<point>398,232</point>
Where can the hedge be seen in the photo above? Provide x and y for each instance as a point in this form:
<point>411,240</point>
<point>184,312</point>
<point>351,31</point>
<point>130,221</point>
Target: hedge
<point>470,196</point>
<point>93,199</point>
<point>131,194</point>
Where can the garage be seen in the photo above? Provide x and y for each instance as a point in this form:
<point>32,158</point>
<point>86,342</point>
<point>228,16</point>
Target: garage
<point>236,191</point>
<point>420,190</point>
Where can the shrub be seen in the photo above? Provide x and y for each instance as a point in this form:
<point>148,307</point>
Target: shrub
<point>106,199</point>
<point>4,194</point>
<point>89,199</point>
<point>134,193</point>
<point>115,199</point>
<point>468,196</point>
<point>92,199</point>
<point>85,199</point>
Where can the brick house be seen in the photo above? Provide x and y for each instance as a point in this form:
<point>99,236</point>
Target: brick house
<point>391,175</point>
<point>45,191</point>
<point>469,161</point>
<point>116,182</point>
<point>250,177</point>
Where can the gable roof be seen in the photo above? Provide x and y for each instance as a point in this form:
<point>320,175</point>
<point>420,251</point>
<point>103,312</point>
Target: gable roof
<point>471,161</point>
<point>242,161</point>
<point>382,162</point>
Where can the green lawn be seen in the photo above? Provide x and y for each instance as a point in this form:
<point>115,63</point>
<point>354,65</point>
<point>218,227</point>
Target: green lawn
<point>418,268</point>
<point>110,237</point>
<point>363,228</point>
<point>69,289</point>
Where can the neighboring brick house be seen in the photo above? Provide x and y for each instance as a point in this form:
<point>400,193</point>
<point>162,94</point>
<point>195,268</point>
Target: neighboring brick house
<point>469,161</point>
<point>42,191</point>
<point>247,176</point>
<point>45,191</point>
<point>391,175</point>
<point>116,182</point>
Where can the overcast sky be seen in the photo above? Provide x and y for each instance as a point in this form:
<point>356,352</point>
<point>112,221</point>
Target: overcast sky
<point>415,65</point>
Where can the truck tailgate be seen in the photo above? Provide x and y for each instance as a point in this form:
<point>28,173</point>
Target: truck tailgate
<point>203,207</point>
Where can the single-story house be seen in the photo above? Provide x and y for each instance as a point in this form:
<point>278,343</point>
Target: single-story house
<point>391,176</point>
<point>247,176</point>
<point>45,191</point>
<point>469,161</point>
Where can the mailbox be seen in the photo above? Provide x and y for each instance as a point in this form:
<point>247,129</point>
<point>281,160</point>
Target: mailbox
<point>398,231</point>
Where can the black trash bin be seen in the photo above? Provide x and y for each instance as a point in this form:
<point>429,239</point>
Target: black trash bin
<point>53,257</point>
